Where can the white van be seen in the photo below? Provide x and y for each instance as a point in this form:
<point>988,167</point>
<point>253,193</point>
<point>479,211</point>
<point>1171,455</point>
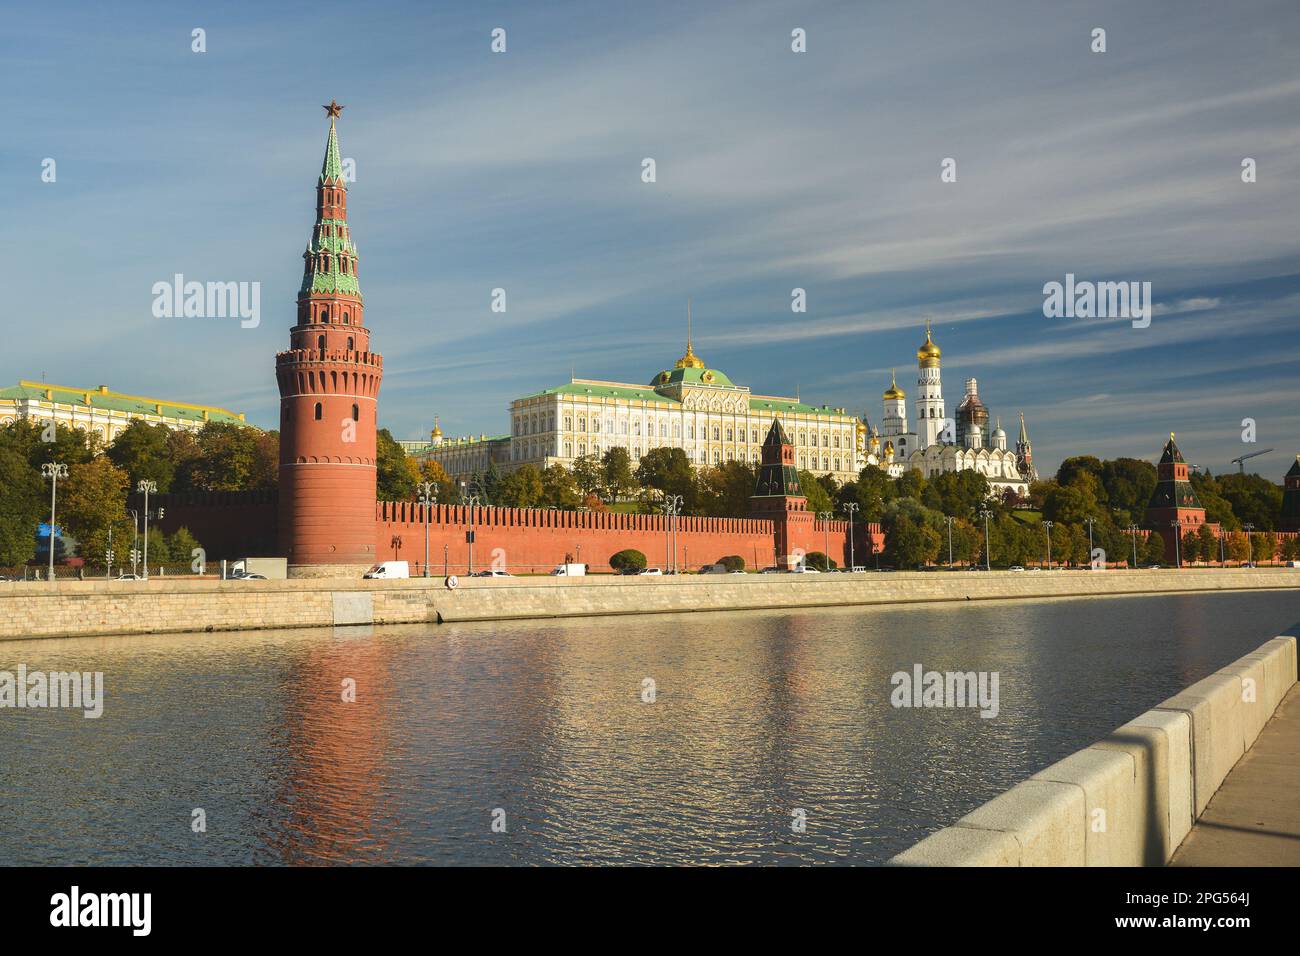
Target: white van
<point>390,570</point>
<point>570,570</point>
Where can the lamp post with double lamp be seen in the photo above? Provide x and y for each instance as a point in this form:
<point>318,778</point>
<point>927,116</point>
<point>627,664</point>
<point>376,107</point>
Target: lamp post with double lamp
<point>1048,526</point>
<point>472,502</point>
<point>1133,531</point>
<point>1250,547</point>
<point>673,506</point>
<point>1178,555</point>
<point>1090,522</point>
<point>825,518</point>
<point>986,515</point>
<point>428,499</point>
<point>948,520</point>
<point>146,486</point>
<point>849,508</point>
<point>53,470</point>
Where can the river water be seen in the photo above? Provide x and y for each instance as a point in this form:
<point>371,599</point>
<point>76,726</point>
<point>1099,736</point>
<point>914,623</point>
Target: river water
<point>758,720</point>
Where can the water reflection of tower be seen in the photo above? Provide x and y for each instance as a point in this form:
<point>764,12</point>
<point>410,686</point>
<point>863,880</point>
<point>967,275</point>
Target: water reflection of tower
<point>334,758</point>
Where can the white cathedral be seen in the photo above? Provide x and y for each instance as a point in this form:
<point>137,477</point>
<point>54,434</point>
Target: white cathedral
<point>940,443</point>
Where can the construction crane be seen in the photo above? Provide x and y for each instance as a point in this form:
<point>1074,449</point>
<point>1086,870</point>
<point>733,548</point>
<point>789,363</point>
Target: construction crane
<point>1241,462</point>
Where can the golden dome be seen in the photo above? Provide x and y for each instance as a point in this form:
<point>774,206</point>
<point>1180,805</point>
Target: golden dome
<point>893,392</point>
<point>928,354</point>
<point>889,449</point>
<point>437,429</point>
<point>690,359</point>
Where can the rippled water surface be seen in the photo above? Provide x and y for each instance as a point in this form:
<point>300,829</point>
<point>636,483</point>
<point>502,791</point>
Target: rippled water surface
<point>757,714</point>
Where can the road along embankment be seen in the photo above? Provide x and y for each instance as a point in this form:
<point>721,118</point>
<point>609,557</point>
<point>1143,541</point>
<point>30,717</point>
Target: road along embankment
<point>77,608</point>
<point>1130,799</point>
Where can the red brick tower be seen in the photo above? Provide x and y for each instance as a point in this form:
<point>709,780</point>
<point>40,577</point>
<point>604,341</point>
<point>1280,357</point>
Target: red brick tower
<point>1173,499</point>
<point>329,386</point>
<point>778,495</point>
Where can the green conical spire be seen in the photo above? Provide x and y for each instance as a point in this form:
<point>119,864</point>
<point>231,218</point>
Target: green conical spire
<point>332,168</point>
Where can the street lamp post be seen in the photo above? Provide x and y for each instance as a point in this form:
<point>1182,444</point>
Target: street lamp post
<point>1250,547</point>
<point>1133,530</point>
<point>1178,555</point>
<point>672,505</point>
<point>986,515</point>
<point>53,470</point>
<point>825,518</point>
<point>146,486</point>
<point>948,520</point>
<point>427,498</point>
<point>849,508</point>
<point>1090,522</point>
<point>1048,526</point>
<point>472,502</point>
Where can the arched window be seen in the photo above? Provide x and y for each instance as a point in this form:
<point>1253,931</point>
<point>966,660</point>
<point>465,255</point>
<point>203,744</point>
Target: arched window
<point>351,343</point>
<point>346,322</point>
<point>356,412</point>
<point>318,411</point>
<point>320,342</point>
<point>729,435</point>
<point>325,314</point>
<point>715,438</point>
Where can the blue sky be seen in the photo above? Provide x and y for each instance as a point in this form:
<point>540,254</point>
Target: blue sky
<point>775,170</point>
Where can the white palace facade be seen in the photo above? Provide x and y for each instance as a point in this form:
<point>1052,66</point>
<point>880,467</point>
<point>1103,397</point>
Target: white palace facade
<point>701,411</point>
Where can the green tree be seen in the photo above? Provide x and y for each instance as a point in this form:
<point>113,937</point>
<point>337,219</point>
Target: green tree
<point>627,559</point>
<point>143,451</point>
<point>588,474</point>
<point>1190,545</point>
<point>233,457</point>
<point>21,506</point>
<point>1254,500</point>
<point>1128,483</point>
<point>1208,544</point>
<point>910,544</point>
<point>616,473</point>
<point>667,471</point>
<point>181,546</point>
<point>393,478</point>
<point>1153,551</point>
<point>93,500</point>
<point>559,490</point>
<point>732,562</point>
<point>870,492</point>
<point>819,561</point>
<point>818,498</point>
<point>1237,548</point>
<point>1072,468</point>
<point>522,488</point>
<point>724,490</point>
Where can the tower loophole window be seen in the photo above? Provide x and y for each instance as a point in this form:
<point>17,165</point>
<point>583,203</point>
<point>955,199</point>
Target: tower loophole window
<point>356,413</point>
<point>317,413</point>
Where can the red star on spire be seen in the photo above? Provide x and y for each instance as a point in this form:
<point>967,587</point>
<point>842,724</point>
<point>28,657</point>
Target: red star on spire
<point>334,109</point>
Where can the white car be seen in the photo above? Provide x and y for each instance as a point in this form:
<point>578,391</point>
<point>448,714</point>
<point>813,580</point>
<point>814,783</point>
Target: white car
<point>1015,567</point>
<point>493,573</point>
<point>389,570</point>
<point>803,569</point>
<point>651,572</point>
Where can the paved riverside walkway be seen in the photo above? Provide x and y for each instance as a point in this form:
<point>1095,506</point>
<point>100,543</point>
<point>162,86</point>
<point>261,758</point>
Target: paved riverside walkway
<point>1254,818</point>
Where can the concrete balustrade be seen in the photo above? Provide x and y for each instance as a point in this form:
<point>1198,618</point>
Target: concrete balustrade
<point>1130,799</point>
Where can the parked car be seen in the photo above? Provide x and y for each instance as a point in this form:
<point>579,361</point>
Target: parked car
<point>630,572</point>
<point>651,572</point>
<point>1015,567</point>
<point>713,569</point>
<point>771,570</point>
<point>492,574</point>
<point>251,577</point>
<point>128,576</point>
<point>570,570</point>
<point>390,570</point>
<point>802,569</point>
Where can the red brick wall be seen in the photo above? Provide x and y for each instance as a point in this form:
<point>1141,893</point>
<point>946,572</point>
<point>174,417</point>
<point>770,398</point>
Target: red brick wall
<point>530,539</point>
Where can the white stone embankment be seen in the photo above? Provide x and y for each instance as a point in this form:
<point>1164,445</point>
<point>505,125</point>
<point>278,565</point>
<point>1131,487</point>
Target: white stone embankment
<point>1130,799</point>
<point>78,608</point>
